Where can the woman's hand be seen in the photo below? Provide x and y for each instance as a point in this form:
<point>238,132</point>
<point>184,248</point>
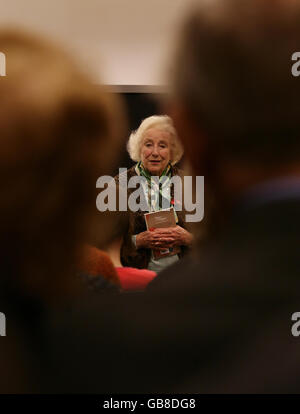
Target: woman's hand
<point>173,236</point>
<point>147,240</point>
<point>164,238</point>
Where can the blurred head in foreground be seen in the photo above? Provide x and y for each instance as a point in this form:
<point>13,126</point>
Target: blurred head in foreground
<point>236,104</point>
<point>57,138</point>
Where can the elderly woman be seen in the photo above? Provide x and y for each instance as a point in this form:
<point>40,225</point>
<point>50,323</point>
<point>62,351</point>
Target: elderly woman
<point>156,149</point>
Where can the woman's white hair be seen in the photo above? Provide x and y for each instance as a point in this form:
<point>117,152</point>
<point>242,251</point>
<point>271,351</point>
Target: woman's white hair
<point>161,122</point>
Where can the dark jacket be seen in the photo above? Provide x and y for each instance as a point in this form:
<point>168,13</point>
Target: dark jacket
<point>140,258</point>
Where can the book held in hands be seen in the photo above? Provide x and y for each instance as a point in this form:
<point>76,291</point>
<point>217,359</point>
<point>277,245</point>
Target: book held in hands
<point>162,219</point>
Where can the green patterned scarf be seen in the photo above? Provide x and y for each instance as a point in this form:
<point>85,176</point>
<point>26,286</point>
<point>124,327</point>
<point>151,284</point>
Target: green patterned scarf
<point>157,195</point>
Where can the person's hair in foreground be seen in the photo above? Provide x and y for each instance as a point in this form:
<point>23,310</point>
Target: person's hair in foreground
<point>236,86</point>
<point>57,138</point>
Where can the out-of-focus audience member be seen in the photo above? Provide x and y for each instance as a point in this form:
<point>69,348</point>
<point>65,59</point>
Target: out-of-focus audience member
<point>236,106</point>
<point>221,321</point>
<point>97,270</point>
<point>156,148</point>
<point>130,278</point>
<point>57,137</point>
<point>101,269</point>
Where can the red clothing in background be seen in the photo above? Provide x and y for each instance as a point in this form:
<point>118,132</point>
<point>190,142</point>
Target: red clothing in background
<point>134,279</point>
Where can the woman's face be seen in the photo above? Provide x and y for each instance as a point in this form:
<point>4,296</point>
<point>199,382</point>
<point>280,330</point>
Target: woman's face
<point>156,150</point>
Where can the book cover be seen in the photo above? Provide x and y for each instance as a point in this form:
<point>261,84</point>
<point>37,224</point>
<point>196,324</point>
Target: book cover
<point>162,219</point>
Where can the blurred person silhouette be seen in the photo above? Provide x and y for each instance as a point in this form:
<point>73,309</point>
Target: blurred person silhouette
<point>97,270</point>
<point>102,267</point>
<point>57,137</point>
<point>130,278</point>
<point>236,107</point>
<point>219,321</point>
